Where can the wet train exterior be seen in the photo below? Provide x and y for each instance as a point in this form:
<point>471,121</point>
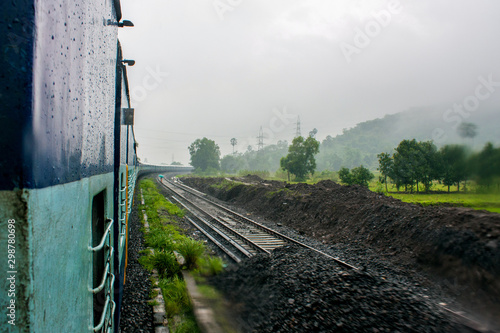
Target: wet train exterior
<point>68,166</point>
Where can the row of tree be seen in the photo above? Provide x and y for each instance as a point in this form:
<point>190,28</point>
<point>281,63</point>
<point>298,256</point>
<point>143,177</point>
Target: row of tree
<point>412,164</point>
<point>420,162</point>
<point>300,161</point>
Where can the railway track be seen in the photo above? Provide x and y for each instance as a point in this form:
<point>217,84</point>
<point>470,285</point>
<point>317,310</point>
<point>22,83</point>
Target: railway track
<point>245,235</point>
<point>239,236</point>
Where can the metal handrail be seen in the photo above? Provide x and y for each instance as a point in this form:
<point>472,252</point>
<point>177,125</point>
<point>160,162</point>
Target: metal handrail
<point>103,283</point>
<point>103,316</point>
<point>105,275</point>
<point>108,299</point>
<point>104,237</point>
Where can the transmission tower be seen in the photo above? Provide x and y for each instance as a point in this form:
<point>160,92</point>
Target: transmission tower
<point>297,129</point>
<point>260,143</point>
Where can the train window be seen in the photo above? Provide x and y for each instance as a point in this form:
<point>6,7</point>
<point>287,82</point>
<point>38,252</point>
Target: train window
<point>98,266</point>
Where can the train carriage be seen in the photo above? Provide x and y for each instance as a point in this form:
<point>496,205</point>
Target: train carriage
<point>68,168</point>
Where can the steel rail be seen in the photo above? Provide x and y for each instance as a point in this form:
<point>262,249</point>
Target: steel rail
<point>219,223</point>
<point>470,323</point>
<point>262,227</point>
<point>216,230</point>
<point>215,241</point>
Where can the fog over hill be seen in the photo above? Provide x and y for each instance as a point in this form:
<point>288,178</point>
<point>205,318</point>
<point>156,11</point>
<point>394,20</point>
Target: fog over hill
<point>361,144</point>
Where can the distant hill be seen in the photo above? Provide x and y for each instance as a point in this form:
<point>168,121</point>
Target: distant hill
<point>361,144</point>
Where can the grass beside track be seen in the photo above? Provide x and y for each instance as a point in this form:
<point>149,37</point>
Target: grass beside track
<point>164,237</point>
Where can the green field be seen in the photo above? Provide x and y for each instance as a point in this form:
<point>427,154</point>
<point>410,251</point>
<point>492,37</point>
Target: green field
<point>490,202</point>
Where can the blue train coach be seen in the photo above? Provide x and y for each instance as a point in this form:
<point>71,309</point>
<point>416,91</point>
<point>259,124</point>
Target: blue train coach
<point>68,165</point>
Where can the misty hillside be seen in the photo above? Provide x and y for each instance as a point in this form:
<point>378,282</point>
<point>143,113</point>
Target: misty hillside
<point>361,144</point>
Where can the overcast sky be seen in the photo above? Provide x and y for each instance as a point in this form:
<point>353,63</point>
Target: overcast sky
<point>222,69</point>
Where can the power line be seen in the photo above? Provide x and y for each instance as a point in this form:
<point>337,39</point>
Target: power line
<point>260,144</point>
<point>297,129</point>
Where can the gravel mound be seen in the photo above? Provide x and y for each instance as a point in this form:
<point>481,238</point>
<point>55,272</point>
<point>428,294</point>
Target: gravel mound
<point>136,315</point>
<point>458,247</point>
<point>296,290</point>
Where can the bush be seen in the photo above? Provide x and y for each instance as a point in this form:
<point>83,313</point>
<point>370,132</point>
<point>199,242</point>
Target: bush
<point>346,176</point>
<point>359,175</point>
<point>164,262</point>
<point>191,250</point>
<point>175,296</point>
<point>159,240</point>
<point>210,266</point>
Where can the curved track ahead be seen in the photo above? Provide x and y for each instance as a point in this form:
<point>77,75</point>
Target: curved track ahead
<point>245,236</point>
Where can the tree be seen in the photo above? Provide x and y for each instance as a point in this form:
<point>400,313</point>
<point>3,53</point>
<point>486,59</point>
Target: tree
<point>359,175</point>
<point>205,154</point>
<point>231,163</point>
<point>405,158</point>
<point>346,176</point>
<point>429,165</point>
<point>234,142</point>
<point>454,159</point>
<point>416,162</point>
<point>486,165</point>
<point>386,166</point>
<point>362,176</point>
<point>300,159</point>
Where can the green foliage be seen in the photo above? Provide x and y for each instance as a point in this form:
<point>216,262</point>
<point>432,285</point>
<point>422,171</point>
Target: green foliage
<point>415,163</point>
<point>191,250</point>
<point>231,163</point>
<point>178,305</point>
<point>159,240</point>
<point>490,202</point>
<point>486,166</point>
<point>156,203</point>
<point>209,266</point>
<point>165,262</point>
<point>188,325</point>
<point>359,175</point>
<point>455,168</point>
<point>386,167</point>
<point>205,154</point>
<point>266,159</point>
<point>164,237</point>
<point>323,175</point>
<point>362,176</point>
<point>346,176</point>
<point>259,173</point>
<point>209,172</point>
<point>300,159</point>
<point>175,296</point>
<point>225,184</point>
<point>153,302</point>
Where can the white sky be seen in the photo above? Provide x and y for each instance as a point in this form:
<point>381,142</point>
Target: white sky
<point>225,73</point>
